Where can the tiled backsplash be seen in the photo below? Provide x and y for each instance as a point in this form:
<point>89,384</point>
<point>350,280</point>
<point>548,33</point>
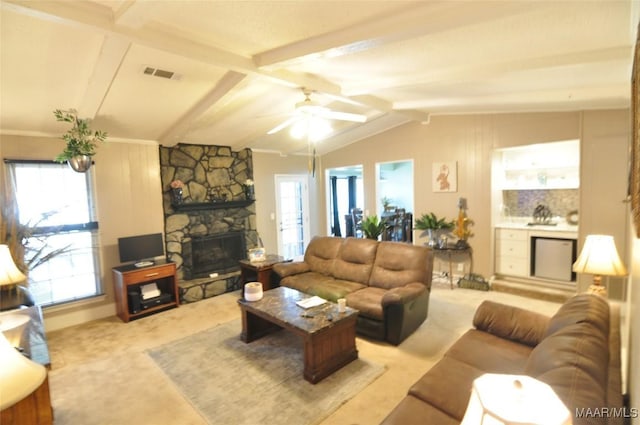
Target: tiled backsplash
<point>522,203</point>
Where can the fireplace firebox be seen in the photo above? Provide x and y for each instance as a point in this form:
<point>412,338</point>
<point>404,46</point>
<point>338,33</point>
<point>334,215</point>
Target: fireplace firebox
<point>219,253</point>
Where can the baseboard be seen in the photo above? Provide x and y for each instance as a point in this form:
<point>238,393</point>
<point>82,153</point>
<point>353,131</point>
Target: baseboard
<point>60,319</point>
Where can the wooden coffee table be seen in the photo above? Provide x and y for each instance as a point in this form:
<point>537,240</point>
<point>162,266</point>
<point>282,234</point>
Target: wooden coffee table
<point>329,336</point>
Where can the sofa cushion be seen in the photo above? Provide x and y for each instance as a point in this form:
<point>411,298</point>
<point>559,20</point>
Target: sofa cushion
<point>447,385</point>
<point>398,263</point>
<point>355,260</point>
<point>305,281</point>
<point>412,411</point>
<point>587,308</point>
<point>333,289</point>
<point>573,361</point>
<point>516,324</point>
<point>321,253</point>
<point>489,352</point>
<point>368,301</point>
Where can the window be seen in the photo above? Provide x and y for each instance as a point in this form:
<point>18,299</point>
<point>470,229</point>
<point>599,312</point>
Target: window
<point>57,206</point>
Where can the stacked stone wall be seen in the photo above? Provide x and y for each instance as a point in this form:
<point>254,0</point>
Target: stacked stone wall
<point>213,178</point>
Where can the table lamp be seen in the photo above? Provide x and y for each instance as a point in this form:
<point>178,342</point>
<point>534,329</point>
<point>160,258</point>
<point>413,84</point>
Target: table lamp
<point>599,257</point>
<point>12,295</point>
<point>498,399</point>
<point>19,376</point>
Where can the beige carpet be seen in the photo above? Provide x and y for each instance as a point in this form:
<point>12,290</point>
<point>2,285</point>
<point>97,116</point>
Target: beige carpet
<point>102,375</point>
<point>218,374</point>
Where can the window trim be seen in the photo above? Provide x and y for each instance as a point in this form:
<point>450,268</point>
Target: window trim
<point>91,226</point>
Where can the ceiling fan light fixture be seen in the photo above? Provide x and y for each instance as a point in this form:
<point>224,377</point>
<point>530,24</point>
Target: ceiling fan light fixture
<point>319,128</point>
<point>315,128</point>
<point>298,129</point>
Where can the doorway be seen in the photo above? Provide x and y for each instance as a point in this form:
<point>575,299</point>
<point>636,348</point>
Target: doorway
<point>345,193</point>
<point>394,191</point>
<point>394,186</point>
<point>292,209</point>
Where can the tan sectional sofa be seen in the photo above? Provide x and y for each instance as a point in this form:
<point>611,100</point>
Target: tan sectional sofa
<point>388,282</point>
<point>576,352</point>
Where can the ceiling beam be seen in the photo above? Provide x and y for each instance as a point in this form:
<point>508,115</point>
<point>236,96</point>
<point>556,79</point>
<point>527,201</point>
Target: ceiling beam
<point>230,80</point>
<point>424,19</point>
<point>467,72</point>
<point>112,53</point>
<point>101,19</point>
<point>563,98</point>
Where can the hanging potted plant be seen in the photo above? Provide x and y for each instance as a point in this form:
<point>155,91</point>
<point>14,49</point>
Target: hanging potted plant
<point>80,139</point>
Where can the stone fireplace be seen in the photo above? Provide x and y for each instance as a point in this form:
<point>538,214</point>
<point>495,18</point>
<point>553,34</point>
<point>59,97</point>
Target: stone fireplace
<point>210,226</point>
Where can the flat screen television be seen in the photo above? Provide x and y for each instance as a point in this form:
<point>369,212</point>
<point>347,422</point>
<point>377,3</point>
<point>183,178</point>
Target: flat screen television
<point>140,249</point>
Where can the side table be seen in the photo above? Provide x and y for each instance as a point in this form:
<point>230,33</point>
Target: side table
<point>450,250</point>
<point>260,271</point>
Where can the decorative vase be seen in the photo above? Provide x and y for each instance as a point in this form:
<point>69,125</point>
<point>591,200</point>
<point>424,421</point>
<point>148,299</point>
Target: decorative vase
<point>432,235</point>
<point>80,163</point>
<point>176,194</point>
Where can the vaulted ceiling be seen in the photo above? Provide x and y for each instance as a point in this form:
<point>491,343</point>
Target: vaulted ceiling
<point>237,68</point>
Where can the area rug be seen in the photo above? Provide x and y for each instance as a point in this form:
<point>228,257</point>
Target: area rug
<point>229,381</point>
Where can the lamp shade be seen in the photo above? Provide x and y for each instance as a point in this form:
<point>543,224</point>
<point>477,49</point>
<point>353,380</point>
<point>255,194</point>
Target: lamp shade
<point>600,257</point>
<point>13,325</point>
<point>514,399</point>
<point>9,273</point>
<point>19,376</point>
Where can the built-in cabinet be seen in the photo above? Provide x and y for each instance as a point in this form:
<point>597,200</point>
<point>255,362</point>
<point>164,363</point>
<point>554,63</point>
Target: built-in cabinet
<point>515,251</point>
<point>512,252</point>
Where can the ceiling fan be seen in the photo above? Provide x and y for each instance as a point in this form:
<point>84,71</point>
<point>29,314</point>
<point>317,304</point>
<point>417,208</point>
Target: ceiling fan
<point>311,113</point>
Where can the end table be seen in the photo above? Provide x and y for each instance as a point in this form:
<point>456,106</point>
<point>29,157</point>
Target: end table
<point>260,271</point>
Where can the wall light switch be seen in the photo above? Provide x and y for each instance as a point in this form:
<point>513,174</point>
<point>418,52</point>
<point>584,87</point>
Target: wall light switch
<point>272,216</point>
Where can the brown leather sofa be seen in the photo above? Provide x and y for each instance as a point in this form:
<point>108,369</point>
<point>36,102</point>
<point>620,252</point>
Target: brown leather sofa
<point>388,282</point>
<point>576,352</point>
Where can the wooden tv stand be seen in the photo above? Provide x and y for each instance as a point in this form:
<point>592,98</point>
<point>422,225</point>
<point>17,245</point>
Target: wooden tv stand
<point>130,278</point>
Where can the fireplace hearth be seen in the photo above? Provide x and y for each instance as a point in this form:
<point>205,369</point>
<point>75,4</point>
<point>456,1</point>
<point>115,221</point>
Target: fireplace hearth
<point>218,253</point>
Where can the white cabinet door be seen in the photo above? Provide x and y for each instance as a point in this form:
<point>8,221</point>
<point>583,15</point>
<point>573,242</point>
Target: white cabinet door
<point>512,253</point>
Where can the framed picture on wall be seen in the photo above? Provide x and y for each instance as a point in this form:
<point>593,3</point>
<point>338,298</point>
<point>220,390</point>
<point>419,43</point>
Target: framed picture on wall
<point>445,176</point>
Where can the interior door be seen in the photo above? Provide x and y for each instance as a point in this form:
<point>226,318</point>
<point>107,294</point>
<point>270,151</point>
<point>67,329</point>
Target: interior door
<point>292,209</point>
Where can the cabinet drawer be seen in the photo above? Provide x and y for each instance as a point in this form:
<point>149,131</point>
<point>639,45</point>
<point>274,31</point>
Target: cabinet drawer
<point>147,274</point>
<point>511,235</point>
<point>511,248</point>
<point>512,266</point>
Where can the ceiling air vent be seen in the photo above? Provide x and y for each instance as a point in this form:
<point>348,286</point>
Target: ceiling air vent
<point>161,73</point>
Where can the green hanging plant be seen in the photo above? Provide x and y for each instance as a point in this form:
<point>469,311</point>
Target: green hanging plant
<point>80,139</point>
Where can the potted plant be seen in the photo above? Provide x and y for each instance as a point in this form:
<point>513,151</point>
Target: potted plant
<point>433,226</point>
<point>80,139</point>
<point>372,227</point>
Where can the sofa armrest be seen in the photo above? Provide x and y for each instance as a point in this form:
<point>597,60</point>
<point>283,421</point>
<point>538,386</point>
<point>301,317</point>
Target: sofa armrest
<point>403,294</point>
<point>291,268</point>
<point>405,308</point>
<point>513,323</point>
